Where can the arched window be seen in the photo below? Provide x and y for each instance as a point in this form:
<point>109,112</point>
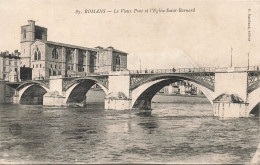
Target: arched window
<point>24,33</point>
<point>50,72</point>
<point>37,54</point>
<point>55,54</point>
<point>117,60</point>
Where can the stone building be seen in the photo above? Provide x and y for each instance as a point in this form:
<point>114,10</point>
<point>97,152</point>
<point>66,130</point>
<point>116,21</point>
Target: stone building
<point>181,87</point>
<point>9,62</point>
<point>47,58</point>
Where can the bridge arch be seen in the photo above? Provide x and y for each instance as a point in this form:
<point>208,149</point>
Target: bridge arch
<point>77,90</point>
<point>31,93</point>
<point>28,83</point>
<point>143,93</point>
<point>254,102</point>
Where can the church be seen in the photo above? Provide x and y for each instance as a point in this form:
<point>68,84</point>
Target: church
<point>47,58</point>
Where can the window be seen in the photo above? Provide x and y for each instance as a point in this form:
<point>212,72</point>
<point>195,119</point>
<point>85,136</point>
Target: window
<point>38,33</point>
<point>15,69</point>
<point>15,63</point>
<point>40,65</point>
<point>83,69</point>
<point>24,33</point>
<point>36,65</point>
<point>118,60</point>
<point>37,55</point>
<point>4,69</point>
<point>4,76</point>
<point>55,54</point>
<point>84,59</point>
<point>49,72</point>
<point>33,65</point>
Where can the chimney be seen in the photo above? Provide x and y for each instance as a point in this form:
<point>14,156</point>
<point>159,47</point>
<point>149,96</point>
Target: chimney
<point>110,48</point>
<point>31,22</point>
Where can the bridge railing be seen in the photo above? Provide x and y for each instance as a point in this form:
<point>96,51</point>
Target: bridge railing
<point>253,68</point>
<point>250,68</point>
<point>224,69</point>
<point>240,68</point>
<point>84,74</point>
<point>187,70</point>
<point>97,74</point>
<point>176,70</point>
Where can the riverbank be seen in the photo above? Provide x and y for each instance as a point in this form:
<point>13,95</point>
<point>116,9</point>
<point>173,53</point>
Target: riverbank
<point>94,96</point>
<point>188,99</point>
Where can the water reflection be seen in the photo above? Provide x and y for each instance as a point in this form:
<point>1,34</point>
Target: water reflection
<point>170,133</point>
<point>148,122</point>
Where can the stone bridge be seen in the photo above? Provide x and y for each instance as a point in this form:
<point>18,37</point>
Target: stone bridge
<point>135,89</point>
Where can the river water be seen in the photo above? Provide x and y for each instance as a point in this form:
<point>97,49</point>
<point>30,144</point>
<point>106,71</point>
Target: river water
<point>170,133</point>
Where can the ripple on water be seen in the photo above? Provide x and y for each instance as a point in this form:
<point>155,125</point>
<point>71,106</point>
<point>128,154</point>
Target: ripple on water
<point>170,133</point>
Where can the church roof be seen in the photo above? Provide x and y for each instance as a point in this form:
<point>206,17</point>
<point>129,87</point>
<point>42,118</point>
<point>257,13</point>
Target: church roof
<point>111,48</point>
<point>119,51</point>
<point>81,47</point>
<point>70,46</point>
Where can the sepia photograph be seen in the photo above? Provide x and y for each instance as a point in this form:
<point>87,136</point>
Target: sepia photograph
<point>129,82</point>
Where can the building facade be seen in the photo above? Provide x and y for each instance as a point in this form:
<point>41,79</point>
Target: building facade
<point>181,87</point>
<point>47,58</point>
<point>9,62</point>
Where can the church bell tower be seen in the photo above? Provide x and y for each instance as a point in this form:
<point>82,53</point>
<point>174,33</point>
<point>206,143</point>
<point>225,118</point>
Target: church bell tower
<point>30,33</point>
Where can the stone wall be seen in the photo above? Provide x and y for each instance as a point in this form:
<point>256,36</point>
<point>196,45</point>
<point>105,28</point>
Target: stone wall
<point>39,66</point>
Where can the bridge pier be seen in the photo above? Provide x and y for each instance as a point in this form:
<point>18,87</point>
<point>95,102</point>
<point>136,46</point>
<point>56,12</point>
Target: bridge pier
<point>119,91</point>
<point>230,110</point>
<point>116,103</point>
<point>54,97</point>
<point>231,89</point>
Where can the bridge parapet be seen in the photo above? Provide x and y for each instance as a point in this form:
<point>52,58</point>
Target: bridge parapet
<point>175,70</point>
<point>188,70</point>
<point>250,68</point>
<point>253,81</point>
<point>45,82</point>
<point>206,79</point>
<point>69,81</point>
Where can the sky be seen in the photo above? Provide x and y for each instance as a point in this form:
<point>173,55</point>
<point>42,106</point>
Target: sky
<point>152,40</point>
